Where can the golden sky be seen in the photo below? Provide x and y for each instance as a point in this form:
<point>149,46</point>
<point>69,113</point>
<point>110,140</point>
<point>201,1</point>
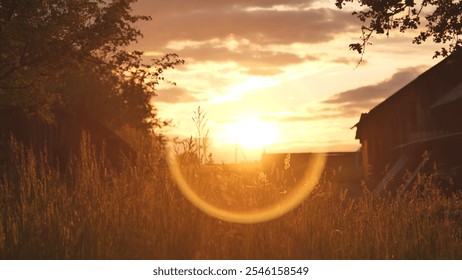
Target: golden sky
<point>273,74</point>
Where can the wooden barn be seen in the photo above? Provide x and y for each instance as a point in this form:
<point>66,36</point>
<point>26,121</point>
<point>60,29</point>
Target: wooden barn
<point>62,138</point>
<point>416,129</point>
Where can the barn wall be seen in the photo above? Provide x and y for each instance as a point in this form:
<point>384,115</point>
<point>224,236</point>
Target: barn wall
<point>406,115</point>
<point>62,138</point>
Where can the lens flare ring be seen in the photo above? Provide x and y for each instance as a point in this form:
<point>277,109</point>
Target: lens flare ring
<point>290,201</point>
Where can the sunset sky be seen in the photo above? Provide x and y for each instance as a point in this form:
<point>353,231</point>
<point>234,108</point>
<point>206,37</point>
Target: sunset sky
<point>273,74</point>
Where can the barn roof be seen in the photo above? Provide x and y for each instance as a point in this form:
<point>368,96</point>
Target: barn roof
<point>446,75</point>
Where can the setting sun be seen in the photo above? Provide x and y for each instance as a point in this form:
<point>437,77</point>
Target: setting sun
<point>251,133</point>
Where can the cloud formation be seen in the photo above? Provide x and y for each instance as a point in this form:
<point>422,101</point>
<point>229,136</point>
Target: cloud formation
<point>260,62</point>
<point>352,102</point>
<point>180,6</point>
<point>175,95</point>
<point>262,27</point>
<point>346,104</point>
<point>201,30</point>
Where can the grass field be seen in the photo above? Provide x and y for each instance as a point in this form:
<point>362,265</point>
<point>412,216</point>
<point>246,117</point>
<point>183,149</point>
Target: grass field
<point>139,213</point>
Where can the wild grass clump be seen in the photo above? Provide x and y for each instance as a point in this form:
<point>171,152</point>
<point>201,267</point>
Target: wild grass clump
<point>91,211</point>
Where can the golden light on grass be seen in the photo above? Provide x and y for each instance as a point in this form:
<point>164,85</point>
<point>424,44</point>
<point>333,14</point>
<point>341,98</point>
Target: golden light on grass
<point>138,214</point>
<point>197,190</point>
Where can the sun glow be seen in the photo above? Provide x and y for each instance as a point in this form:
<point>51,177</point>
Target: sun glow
<point>251,133</point>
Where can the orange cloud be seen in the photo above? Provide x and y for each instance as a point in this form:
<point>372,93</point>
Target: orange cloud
<point>205,20</point>
<point>352,102</point>
<point>175,95</point>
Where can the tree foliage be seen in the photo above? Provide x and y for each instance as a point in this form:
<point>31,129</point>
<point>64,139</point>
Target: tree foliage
<point>439,20</point>
<point>73,54</point>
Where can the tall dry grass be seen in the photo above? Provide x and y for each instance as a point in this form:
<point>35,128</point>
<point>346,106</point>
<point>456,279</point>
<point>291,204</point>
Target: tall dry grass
<point>93,212</point>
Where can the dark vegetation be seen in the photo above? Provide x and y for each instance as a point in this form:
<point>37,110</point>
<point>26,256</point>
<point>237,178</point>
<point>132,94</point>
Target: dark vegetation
<point>65,71</point>
<point>72,56</point>
<point>62,198</point>
<point>139,213</point>
<point>439,21</point>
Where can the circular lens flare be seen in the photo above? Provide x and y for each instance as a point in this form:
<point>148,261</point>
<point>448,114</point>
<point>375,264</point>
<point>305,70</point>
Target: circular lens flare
<point>194,181</point>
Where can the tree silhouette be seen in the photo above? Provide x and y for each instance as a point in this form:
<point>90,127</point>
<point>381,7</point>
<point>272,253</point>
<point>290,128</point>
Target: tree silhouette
<point>73,54</point>
<point>440,20</point>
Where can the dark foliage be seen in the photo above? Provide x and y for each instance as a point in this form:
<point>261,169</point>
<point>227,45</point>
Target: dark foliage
<point>72,55</point>
<point>442,21</point>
